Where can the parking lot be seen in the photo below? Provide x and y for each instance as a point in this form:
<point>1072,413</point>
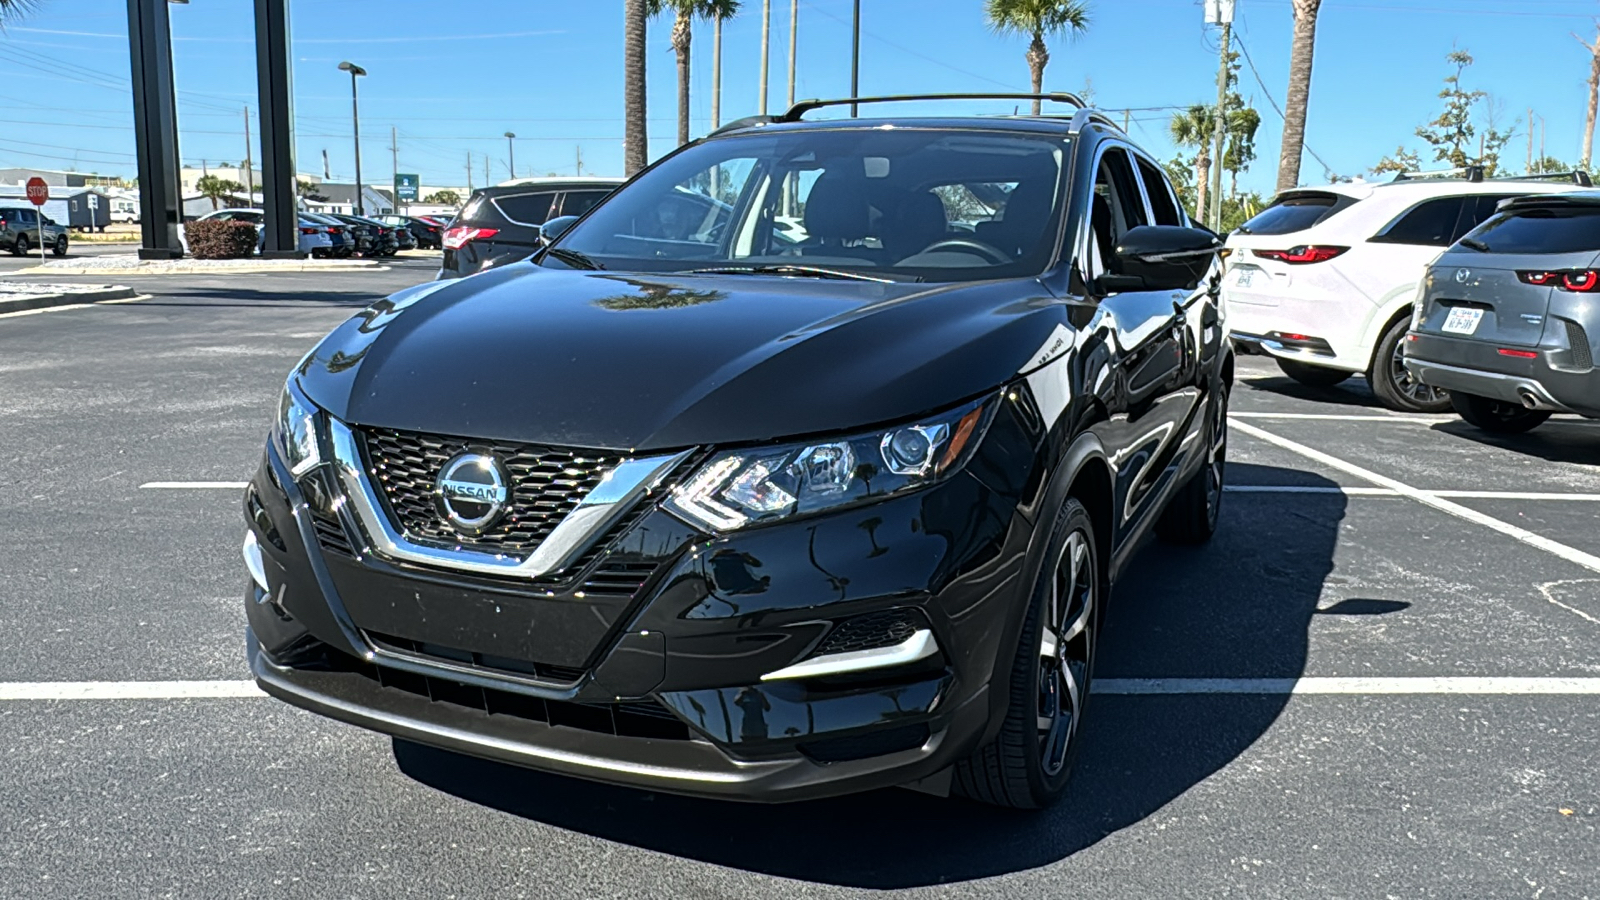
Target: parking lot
<point>1382,678</point>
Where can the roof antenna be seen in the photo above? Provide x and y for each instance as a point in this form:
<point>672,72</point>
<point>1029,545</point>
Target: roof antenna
<point>1016,110</point>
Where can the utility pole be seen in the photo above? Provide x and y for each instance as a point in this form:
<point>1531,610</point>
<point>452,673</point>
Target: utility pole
<point>794,27</point>
<point>249,165</point>
<point>855,56</point>
<point>394,154</point>
<point>766,45</point>
<point>327,174</point>
<point>486,176</point>
<point>1530,140</point>
<point>1127,120</point>
<point>1224,16</point>
<point>469,171</point>
<point>716,73</point>
<point>580,159</point>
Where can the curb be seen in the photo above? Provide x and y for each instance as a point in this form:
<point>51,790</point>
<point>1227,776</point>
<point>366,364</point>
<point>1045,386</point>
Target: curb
<point>362,266</point>
<point>66,298</point>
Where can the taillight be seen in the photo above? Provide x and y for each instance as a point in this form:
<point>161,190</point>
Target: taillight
<point>1518,354</point>
<point>1299,256</point>
<point>461,235</point>
<point>308,231</point>
<point>1580,282</point>
<point>332,230</point>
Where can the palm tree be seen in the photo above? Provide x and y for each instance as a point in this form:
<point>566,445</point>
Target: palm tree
<point>1038,19</point>
<point>213,188</point>
<point>1193,128</point>
<point>10,8</point>
<point>684,14</point>
<point>1294,115</point>
<point>635,140</point>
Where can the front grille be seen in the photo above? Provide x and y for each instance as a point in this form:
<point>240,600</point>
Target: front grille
<point>884,628</point>
<point>546,484</point>
<point>633,719</point>
<point>1582,356</point>
<point>492,665</point>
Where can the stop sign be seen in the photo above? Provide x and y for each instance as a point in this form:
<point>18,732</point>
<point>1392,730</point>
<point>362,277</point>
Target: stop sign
<point>38,191</point>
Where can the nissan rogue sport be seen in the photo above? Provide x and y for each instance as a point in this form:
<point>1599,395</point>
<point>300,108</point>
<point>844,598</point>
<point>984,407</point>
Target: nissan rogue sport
<point>816,483</point>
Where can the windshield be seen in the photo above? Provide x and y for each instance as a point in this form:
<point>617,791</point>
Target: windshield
<point>904,203</point>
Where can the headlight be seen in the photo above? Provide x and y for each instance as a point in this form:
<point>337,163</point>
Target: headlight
<point>763,484</point>
<point>296,430</point>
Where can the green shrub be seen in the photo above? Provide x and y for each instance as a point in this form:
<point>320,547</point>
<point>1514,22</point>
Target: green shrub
<point>220,239</point>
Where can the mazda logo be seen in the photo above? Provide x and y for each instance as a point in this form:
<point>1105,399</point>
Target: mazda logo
<point>1462,275</point>
<point>472,492</point>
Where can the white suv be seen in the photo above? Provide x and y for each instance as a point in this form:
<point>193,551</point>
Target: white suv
<point>1324,278</point>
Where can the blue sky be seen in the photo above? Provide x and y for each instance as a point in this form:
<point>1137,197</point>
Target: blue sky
<point>451,78</point>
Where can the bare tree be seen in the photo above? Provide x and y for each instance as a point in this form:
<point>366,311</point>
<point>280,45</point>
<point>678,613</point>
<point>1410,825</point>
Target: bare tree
<point>1299,94</point>
<point>635,139</point>
<point>1594,98</point>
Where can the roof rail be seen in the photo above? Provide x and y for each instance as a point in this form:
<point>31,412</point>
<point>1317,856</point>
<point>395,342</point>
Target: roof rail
<point>1086,115</point>
<point>746,122</point>
<point>1576,176</point>
<point>1468,173</point>
<point>804,106</point>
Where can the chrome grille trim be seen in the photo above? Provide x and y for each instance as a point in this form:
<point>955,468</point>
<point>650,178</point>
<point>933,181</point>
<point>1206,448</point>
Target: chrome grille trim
<point>598,510</point>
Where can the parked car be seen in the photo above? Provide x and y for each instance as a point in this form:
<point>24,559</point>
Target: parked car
<point>379,238</point>
<point>344,240</point>
<point>429,235</point>
<point>688,506</point>
<point>314,238</point>
<point>19,231</point>
<point>1509,319</point>
<point>1325,279</point>
<point>500,224</point>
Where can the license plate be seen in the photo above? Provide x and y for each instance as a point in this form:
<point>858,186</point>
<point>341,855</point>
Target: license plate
<point>1462,320</point>
<point>1243,277</point>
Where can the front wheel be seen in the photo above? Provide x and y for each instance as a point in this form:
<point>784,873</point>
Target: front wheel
<point>1396,387</point>
<point>1029,762</point>
<point>1313,375</point>
<point>1497,416</point>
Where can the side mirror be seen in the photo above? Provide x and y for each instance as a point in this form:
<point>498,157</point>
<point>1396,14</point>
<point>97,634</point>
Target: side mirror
<point>555,228</point>
<point>1162,258</point>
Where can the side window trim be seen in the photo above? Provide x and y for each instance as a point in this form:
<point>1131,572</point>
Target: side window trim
<point>1086,263</point>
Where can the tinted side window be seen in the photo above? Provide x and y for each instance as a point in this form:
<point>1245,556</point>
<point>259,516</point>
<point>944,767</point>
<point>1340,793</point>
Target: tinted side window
<point>25,216</point>
<point>527,209</point>
<point>1295,212</point>
<point>1114,210</point>
<point>1540,231</point>
<point>1162,205</point>
<point>1476,213</point>
<point>1431,223</point>
<point>576,203</point>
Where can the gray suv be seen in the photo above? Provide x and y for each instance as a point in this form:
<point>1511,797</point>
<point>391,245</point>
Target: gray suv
<point>19,231</point>
<point>1510,313</point>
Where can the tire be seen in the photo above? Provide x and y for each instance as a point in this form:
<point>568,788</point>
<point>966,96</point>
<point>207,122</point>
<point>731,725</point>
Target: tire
<point>1497,416</point>
<point>1027,766</point>
<point>1393,385</point>
<point>20,248</point>
<point>1191,515</point>
<point>1313,375</point>
<point>60,249</point>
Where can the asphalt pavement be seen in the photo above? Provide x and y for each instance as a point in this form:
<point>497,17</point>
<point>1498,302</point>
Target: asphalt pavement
<point>1379,680</point>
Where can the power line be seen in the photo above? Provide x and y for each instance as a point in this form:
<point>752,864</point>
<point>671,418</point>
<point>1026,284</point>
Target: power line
<point>1326,169</point>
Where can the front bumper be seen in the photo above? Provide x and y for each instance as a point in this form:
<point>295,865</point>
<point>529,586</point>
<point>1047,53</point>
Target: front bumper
<point>1475,367</point>
<point>660,685</point>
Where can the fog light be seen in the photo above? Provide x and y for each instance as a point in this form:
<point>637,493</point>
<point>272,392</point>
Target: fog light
<point>253,561</point>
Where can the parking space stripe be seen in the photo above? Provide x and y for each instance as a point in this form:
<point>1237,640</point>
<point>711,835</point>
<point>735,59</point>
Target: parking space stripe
<point>195,485</point>
<point>127,690</point>
<point>1555,548</point>
<point>1331,417</point>
<point>1350,685</point>
<point>1461,685</point>
<point>1390,492</point>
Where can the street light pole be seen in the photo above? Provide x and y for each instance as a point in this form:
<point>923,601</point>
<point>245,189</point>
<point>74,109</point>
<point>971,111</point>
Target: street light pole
<point>355,124</point>
<point>511,150</point>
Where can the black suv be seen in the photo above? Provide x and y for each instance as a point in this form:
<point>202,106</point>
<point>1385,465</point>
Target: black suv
<point>501,224</point>
<point>821,489</point>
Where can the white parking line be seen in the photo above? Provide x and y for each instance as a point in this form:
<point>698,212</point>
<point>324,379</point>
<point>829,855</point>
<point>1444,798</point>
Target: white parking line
<point>1555,548</point>
<point>1352,685</point>
<point>1460,685</point>
<point>195,485</point>
<point>50,309</point>
<point>1391,492</point>
<point>1331,417</point>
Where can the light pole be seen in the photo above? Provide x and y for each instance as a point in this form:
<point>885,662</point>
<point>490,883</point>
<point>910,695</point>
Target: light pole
<point>511,149</point>
<point>355,123</point>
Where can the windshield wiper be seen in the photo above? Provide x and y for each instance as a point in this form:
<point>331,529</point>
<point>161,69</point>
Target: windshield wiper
<point>1474,244</point>
<point>573,258</point>
<point>795,271</point>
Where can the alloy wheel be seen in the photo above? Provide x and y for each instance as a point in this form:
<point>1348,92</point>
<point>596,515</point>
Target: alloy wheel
<point>1407,384</point>
<point>1066,650</point>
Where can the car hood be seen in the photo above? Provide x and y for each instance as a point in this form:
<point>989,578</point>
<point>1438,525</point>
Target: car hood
<point>643,362</point>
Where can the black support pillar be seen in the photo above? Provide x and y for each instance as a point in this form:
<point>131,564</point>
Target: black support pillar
<point>275,83</point>
<point>155,123</point>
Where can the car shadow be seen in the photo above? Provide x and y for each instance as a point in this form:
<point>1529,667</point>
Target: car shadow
<point>1236,608</point>
<point>1353,392</point>
<point>1561,440</point>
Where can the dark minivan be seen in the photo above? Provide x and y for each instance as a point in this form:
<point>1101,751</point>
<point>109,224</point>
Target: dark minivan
<point>500,224</point>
